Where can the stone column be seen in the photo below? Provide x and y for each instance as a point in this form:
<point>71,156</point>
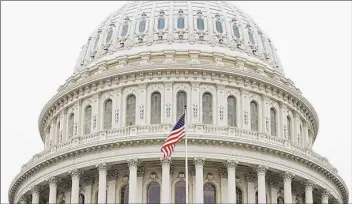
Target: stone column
<point>140,175</point>
<point>195,113</point>
<point>287,186</point>
<point>265,117</point>
<point>309,191</point>
<point>132,164</point>
<point>250,187</point>
<point>273,191</point>
<point>168,103</point>
<point>325,196</point>
<point>23,200</point>
<point>88,189</point>
<point>231,180</point>
<point>244,121</point>
<point>112,177</point>
<point>223,183</point>
<point>198,163</point>
<point>102,168</point>
<point>283,120</point>
<point>52,189</point>
<point>261,171</point>
<point>165,182</point>
<point>35,194</point>
<point>75,174</point>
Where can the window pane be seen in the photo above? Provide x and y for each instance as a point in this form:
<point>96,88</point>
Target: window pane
<point>124,195</point>
<point>180,192</point>
<point>153,193</point>
<point>239,196</point>
<point>207,108</point>
<point>251,38</point>
<point>96,42</point>
<point>180,23</point>
<point>236,31</point>
<point>124,30</point>
<point>181,103</point>
<point>141,28</point>
<point>70,125</point>
<point>161,23</point>
<point>108,37</point>
<point>200,24</point>
<point>108,114</point>
<point>254,116</point>
<point>155,108</point>
<point>219,27</point>
<point>273,121</point>
<point>87,120</point>
<point>131,110</point>
<point>209,193</point>
<point>231,111</point>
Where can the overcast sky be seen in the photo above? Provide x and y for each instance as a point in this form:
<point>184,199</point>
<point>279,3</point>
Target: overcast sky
<point>40,42</point>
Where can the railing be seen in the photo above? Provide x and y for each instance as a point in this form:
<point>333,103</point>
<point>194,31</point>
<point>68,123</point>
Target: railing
<point>194,131</point>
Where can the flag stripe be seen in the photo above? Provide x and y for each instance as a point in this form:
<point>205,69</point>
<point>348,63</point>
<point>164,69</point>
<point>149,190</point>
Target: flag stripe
<point>176,135</point>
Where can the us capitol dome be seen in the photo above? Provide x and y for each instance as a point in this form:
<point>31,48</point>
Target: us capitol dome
<point>250,131</point>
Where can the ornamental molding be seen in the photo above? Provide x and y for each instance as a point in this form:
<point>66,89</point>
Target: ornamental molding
<point>69,92</point>
<point>31,170</point>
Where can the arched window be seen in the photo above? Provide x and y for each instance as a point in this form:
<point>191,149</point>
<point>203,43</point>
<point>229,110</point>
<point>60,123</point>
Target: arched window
<point>108,114</point>
<point>155,108</point>
<point>181,103</point>
<point>124,30</point>
<point>180,22</point>
<point>109,35</point>
<point>87,119</point>
<point>239,199</point>
<point>236,31</point>
<point>153,193</point>
<point>71,124</point>
<point>231,111</point>
<point>289,127</point>
<point>180,192</point>
<point>96,42</point>
<point>207,108</point>
<point>161,23</point>
<point>209,193</point>
<point>142,25</point>
<point>219,27</point>
<point>273,121</point>
<point>254,116</point>
<point>131,110</point>
<point>200,24</point>
<point>280,200</point>
<point>124,195</point>
<point>251,38</point>
<point>81,198</point>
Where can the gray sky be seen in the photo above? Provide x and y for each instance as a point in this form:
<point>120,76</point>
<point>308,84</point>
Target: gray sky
<point>40,42</point>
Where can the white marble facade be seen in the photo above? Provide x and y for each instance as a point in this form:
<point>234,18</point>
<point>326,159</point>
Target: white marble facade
<point>250,129</point>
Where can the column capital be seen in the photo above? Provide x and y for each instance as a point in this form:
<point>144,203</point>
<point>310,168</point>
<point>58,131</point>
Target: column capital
<point>113,174</point>
<point>199,161</point>
<point>53,180</point>
<point>250,176</point>
<point>288,176</point>
<point>140,171</point>
<point>132,162</point>
<point>273,182</point>
<point>35,189</point>
<point>231,163</point>
<point>102,167</point>
<point>325,193</point>
<point>75,173</point>
<point>88,181</point>
<point>308,183</point>
<point>166,161</point>
<point>261,169</point>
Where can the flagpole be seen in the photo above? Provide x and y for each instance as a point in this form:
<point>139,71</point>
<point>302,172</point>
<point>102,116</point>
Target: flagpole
<point>186,157</point>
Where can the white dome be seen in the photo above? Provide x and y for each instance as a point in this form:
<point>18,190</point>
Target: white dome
<point>209,26</point>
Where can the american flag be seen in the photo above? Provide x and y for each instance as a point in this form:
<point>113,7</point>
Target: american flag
<point>176,135</point>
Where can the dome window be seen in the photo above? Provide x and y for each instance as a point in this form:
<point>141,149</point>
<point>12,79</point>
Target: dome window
<point>218,25</point>
<point>181,23</point>
<point>251,37</point>
<point>108,37</point>
<point>161,23</point>
<point>124,30</point>
<point>96,42</point>
<point>236,31</point>
<point>200,24</point>
<point>142,26</point>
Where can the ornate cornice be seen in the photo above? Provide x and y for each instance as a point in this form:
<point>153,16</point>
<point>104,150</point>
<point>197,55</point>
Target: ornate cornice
<point>97,147</point>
